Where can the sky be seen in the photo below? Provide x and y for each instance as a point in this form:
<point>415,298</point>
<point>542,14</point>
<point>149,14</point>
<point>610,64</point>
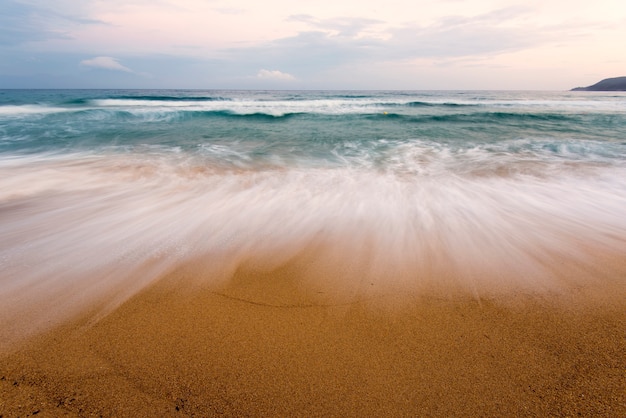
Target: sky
<point>311,44</point>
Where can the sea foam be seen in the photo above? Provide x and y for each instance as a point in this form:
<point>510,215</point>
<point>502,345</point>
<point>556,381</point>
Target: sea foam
<point>89,230</point>
<point>350,196</point>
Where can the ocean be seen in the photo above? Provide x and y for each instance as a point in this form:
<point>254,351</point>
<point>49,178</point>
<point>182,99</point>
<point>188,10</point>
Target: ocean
<point>352,193</point>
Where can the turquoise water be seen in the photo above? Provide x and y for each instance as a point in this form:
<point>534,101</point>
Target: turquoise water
<point>105,191</point>
<point>330,129</point>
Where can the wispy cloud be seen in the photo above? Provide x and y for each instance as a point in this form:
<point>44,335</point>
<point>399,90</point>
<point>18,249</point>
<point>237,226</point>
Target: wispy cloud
<point>344,26</point>
<point>244,43</point>
<point>22,22</point>
<point>105,63</point>
<point>333,43</point>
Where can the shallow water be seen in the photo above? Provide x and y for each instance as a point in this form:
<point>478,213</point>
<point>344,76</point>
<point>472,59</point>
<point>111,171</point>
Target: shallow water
<point>486,193</point>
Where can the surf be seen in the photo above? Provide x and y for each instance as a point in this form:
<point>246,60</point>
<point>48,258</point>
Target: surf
<point>357,195</point>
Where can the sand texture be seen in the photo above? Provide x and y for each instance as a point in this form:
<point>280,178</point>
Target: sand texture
<point>270,350</point>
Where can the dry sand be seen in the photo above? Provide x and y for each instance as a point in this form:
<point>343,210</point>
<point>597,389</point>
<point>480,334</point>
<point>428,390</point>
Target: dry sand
<point>273,350</point>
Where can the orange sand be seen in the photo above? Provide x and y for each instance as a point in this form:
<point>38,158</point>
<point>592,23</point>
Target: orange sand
<point>270,351</point>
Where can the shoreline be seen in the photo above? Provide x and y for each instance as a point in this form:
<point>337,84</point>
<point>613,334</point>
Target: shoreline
<point>236,351</point>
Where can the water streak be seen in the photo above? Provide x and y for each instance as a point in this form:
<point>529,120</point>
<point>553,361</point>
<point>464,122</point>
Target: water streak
<point>97,203</point>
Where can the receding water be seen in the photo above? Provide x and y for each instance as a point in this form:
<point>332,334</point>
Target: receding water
<point>104,192</point>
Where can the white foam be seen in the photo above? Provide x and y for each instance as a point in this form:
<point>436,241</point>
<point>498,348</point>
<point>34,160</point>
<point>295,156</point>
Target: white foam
<point>250,106</point>
<point>79,231</point>
<point>22,110</point>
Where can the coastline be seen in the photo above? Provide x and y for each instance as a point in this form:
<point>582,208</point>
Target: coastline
<point>242,350</point>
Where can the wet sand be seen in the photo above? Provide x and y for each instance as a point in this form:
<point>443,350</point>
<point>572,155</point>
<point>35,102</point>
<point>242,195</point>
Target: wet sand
<point>263,346</point>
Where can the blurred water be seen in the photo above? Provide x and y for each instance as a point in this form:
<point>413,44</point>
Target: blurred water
<point>487,193</point>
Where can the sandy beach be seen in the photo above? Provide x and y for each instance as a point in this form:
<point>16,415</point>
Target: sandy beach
<point>263,346</point>
<point>312,253</point>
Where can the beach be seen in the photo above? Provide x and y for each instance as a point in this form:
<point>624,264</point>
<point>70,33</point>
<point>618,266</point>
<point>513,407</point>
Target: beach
<point>244,351</point>
<point>312,253</point>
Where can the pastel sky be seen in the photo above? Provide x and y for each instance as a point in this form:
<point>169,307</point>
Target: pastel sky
<point>311,44</point>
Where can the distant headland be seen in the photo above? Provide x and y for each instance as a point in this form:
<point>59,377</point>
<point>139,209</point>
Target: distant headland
<point>608,84</point>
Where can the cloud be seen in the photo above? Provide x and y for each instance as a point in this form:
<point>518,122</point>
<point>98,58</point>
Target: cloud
<point>23,22</point>
<point>330,44</point>
<point>274,75</point>
<point>344,26</point>
<point>105,63</point>
<point>250,45</point>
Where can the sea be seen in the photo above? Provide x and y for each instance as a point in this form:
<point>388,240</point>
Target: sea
<point>355,193</point>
